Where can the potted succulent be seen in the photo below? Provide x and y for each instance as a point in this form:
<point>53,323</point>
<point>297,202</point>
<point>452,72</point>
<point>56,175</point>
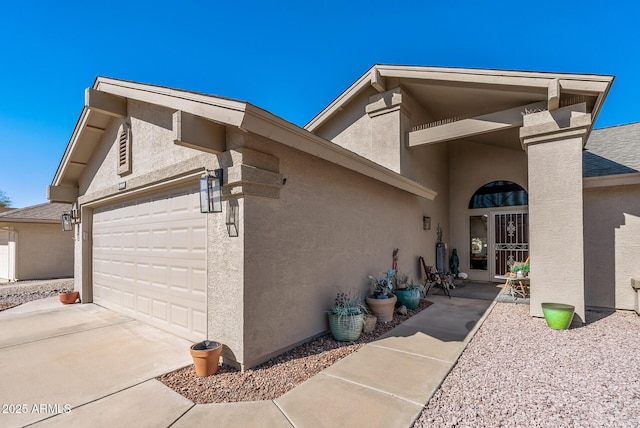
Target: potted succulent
<point>408,292</point>
<point>346,317</point>
<point>382,301</point>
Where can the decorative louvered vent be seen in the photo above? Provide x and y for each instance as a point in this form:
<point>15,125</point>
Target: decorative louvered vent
<point>124,149</point>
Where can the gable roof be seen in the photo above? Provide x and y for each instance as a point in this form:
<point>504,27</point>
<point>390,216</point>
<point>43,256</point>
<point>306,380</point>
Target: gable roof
<point>112,95</point>
<point>464,91</point>
<point>42,213</point>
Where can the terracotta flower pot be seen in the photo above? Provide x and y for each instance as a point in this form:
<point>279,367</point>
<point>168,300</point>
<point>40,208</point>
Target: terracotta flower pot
<point>206,357</point>
<point>69,297</point>
<point>382,308</point>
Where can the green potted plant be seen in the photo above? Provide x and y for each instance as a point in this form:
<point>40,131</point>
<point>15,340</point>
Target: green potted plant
<point>408,292</point>
<point>381,300</point>
<point>520,269</point>
<point>346,317</point>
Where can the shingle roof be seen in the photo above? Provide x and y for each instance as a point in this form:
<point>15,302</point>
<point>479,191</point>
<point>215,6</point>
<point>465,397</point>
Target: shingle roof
<point>611,151</point>
<point>44,212</point>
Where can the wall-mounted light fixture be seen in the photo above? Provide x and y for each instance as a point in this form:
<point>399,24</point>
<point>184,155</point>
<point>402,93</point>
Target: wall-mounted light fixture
<point>68,219</point>
<point>210,192</point>
<point>426,223</point>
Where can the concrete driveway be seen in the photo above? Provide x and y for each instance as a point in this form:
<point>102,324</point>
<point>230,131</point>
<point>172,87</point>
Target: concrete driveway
<point>63,365</point>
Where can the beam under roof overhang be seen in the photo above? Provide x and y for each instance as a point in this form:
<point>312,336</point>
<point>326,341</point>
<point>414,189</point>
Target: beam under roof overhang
<point>470,127</point>
<point>198,133</point>
<point>377,81</point>
<point>65,194</point>
<point>103,102</point>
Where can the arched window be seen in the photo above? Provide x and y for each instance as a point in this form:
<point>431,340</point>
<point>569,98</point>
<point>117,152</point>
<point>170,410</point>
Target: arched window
<point>499,194</point>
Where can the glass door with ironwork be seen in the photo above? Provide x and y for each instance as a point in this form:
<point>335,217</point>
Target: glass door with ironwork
<point>511,239</point>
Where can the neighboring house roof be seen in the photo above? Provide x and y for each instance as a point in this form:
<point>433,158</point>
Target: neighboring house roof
<point>42,213</point>
<point>612,151</point>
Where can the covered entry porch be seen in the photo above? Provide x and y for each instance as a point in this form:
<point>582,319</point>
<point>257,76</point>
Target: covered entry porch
<point>531,187</point>
<point>457,130</point>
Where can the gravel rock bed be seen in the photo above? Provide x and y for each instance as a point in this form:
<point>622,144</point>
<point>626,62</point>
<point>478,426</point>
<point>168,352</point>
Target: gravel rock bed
<point>277,376</point>
<point>16,293</point>
<point>518,372</point>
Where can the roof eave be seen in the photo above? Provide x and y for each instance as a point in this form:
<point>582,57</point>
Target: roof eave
<point>273,127</point>
<point>573,83</point>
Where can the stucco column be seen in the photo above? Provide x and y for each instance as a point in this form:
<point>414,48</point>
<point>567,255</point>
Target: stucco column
<point>387,112</point>
<point>554,141</point>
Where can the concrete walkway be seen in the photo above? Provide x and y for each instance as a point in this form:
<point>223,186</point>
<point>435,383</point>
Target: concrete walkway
<point>384,384</point>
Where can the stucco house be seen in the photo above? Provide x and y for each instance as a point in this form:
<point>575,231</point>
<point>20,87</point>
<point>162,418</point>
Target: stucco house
<point>495,158</point>
<point>34,234</point>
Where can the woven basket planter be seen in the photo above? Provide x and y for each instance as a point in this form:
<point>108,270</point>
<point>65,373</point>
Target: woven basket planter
<point>346,328</point>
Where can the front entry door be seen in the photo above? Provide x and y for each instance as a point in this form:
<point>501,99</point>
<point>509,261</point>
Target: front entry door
<point>511,239</point>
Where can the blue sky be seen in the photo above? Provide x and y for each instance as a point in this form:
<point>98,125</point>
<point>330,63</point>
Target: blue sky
<point>291,58</point>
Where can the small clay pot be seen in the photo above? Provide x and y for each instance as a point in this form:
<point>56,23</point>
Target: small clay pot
<point>206,356</point>
<point>69,298</point>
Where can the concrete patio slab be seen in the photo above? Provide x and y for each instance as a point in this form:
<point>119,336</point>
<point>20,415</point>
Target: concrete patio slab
<point>416,340</point>
<point>327,401</point>
<point>409,376</point>
<point>149,404</point>
<point>36,305</point>
<point>449,320</point>
<point>81,366</point>
<point>29,326</point>
<point>256,414</point>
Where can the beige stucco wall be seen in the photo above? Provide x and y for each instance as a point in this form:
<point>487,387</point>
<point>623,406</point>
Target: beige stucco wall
<point>226,292</point>
<point>556,224</point>
<point>152,150</point>
<point>611,245</point>
<point>471,166</point>
<point>329,230</point>
<point>380,136</point>
<point>43,251</point>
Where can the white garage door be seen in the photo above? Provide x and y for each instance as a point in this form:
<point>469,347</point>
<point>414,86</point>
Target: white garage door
<point>4,255</point>
<point>149,261</point>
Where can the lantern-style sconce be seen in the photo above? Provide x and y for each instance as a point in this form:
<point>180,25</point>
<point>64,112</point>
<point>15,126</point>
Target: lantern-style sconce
<point>210,192</point>
<point>426,223</point>
<point>66,221</point>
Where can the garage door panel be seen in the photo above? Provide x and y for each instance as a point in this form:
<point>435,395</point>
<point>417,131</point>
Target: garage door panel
<point>150,261</point>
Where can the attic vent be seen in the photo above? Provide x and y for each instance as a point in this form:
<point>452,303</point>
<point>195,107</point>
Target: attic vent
<point>124,149</point>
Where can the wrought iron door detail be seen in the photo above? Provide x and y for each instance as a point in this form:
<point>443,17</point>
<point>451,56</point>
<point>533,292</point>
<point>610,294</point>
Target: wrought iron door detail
<point>511,239</point>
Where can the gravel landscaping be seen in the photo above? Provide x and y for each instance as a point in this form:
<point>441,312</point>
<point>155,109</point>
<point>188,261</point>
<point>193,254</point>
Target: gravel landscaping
<point>518,372</point>
<point>16,293</point>
<point>277,376</point>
